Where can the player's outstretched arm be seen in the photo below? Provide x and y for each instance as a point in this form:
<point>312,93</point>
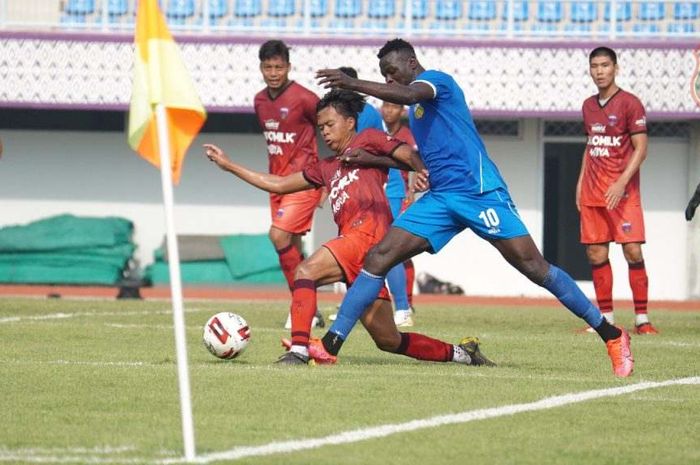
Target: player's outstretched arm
<point>394,92</point>
<point>364,158</point>
<point>693,204</point>
<point>268,182</point>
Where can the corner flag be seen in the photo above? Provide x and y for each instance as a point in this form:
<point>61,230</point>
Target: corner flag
<point>160,77</point>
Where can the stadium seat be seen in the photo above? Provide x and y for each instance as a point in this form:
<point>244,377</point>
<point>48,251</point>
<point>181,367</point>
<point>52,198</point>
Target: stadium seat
<point>319,8</point>
<point>651,11</point>
<point>482,11</point>
<point>79,7</point>
<point>218,8</point>
<point>179,10</point>
<point>520,10</point>
<point>645,28</point>
<point>280,7</point>
<point>247,8</point>
<point>584,12</point>
<point>544,27</point>
<point>549,11</point>
<point>381,9</point>
<point>578,28</point>
<point>605,28</point>
<point>241,22</point>
<point>681,28</point>
<point>623,11</point>
<point>686,10</point>
<point>347,8</point>
<point>276,22</point>
<point>443,25</point>
<point>341,25</point>
<point>117,8</point>
<point>376,24</point>
<point>448,9</point>
<point>419,8</point>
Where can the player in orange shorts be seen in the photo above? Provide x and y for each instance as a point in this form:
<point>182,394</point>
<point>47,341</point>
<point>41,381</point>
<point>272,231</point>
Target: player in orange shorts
<point>286,112</point>
<point>607,192</point>
<point>361,211</point>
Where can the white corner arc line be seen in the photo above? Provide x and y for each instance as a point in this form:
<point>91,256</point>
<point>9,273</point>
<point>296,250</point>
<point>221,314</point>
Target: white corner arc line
<point>364,434</point>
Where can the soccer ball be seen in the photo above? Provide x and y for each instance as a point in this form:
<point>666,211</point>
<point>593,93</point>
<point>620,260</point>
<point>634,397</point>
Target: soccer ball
<point>226,335</point>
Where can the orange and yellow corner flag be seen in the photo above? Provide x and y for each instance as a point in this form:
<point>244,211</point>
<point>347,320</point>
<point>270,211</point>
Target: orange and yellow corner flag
<point>160,77</point>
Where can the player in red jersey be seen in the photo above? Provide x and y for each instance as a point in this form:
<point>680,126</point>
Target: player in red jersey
<point>360,210</point>
<point>607,192</point>
<point>400,194</point>
<point>287,114</point>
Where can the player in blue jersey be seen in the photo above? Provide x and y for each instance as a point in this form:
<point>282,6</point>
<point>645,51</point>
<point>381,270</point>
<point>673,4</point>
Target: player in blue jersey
<point>467,191</point>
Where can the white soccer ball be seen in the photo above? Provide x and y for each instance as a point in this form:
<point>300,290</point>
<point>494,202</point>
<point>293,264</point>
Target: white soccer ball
<point>226,335</point>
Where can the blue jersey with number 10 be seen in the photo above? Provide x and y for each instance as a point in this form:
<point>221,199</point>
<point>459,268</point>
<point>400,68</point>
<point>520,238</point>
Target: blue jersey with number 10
<point>448,141</point>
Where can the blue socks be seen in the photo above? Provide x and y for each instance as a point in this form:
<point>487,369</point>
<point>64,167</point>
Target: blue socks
<point>559,283</point>
<point>361,294</point>
<point>396,279</point>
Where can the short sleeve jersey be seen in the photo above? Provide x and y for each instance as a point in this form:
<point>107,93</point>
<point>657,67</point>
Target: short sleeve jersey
<point>398,179</point>
<point>448,141</point>
<point>355,192</point>
<point>289,125</point>
<point>369,117</point>
<point>610,128</point>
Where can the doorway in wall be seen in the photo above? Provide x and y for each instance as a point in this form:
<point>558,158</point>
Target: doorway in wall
<point>562,163</point>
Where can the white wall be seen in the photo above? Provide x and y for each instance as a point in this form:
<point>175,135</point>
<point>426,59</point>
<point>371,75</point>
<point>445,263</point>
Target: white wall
<point>44,173</point>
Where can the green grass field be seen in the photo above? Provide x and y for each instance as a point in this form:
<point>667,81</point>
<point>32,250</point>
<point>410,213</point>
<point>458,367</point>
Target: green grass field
<point>96,382</point>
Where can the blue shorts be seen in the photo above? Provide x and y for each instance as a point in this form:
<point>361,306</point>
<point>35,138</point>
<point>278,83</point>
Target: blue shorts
<point>395,204</point>
<point>439,216</point>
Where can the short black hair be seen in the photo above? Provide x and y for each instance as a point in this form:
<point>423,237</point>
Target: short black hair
<point>396,45</point>
<point>349,70</point>
<point>603,52</point>
<point>272,49</point>
<point>346,102</point>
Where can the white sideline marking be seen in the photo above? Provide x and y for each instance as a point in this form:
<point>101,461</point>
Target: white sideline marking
<point>364,434</point>
<point>61,315</point>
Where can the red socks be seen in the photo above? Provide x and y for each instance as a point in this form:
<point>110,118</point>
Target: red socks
<point>423,347</point>
<point>410,279</point>
<point>302,310</point>
<point>290,258</point>
<point>603,284</point>
<point>639,282</point>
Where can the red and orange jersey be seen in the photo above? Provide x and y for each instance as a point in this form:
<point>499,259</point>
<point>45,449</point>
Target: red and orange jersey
<point>356,193</point>
<point>610,128</point>
<point>289,126</point>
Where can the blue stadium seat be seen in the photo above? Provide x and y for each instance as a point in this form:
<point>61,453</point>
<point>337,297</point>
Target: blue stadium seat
<point>319,8</point>
<point>681,28</point>
<point>280,7</point>
<point>544,27</point>
<point>117,7</point>
<point>241,22</point>
<point>179,10</point>
<point>549,11</point>
<point>80,7</point>
<point>419,9</point>
<point>443,25</point>
<point>347,8</point>
<point>381,9</point>
<point>340,25</point>
<point>247,8</point>
<point>376,24</point>
<point>520,10</point>
<point>218,8</point>
<point>482,11</point>
<point>686,10</point>
<point>448,9</point>
<point>578,28</point>
<point>605,28</point>
<point>277,22</point>
<point>623,11</point>
<point>645,28</point>
<point>584,12</point>
<point>651,11</point>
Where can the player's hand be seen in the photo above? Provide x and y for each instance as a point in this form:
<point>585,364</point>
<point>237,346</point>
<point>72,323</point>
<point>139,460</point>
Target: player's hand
<point>333,79</point>
<point>420,181</point>
<point>216,155</point>
<point>358,157</point>
<point>692,205</point>
<point>614,194</point>
<point>322,198</point>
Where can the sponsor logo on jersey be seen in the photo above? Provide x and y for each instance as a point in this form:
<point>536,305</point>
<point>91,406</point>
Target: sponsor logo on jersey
<point>612,120</point>
<point>641,121</point>
<point>338,195</point>
<point>599,145</point>
<point>418,111</point>
<point>284,112</point>
<point>695,80</point>
<point>279,137</point>
<point>272,124</point>
<point>598,128</point>
<point>274,149</point>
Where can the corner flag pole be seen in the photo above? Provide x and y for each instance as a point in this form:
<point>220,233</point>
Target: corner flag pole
<point>175,285</point>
